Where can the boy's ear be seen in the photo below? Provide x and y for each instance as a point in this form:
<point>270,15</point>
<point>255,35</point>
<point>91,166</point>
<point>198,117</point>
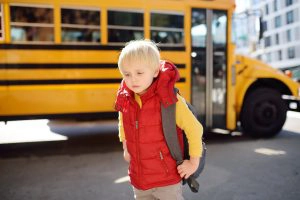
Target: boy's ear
<point>156,73</point>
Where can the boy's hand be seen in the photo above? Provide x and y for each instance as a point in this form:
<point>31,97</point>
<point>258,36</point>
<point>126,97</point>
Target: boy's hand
<point>188,167</point>
<point>126,155</point>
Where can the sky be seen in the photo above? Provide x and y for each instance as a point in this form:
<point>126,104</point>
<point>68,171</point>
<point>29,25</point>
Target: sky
<point>241,5</point>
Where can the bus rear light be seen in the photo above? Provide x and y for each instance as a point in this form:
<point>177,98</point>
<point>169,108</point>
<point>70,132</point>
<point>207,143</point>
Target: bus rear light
<point>288,73</point>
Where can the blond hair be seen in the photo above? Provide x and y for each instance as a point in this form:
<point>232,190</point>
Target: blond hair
<point>140,51</point>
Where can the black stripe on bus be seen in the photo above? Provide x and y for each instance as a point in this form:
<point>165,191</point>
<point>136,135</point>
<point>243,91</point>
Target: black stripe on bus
<point>76,47</point>
<point>59,47</point>
<point>66,66</point>
<point>180,66</point>
<point>64,81</point>
<point>89,116</point>
<point>59,66</point>
<point>59,81</point>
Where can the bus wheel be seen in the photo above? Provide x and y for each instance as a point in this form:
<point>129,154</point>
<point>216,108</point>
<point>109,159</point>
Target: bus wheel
<point>263,113</point>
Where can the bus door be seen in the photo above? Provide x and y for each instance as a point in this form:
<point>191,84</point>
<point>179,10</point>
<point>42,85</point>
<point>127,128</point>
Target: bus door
<point>209,63</point>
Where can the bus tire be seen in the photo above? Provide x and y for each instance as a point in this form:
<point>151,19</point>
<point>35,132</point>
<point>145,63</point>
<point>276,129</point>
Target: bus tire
<point>263,113</point>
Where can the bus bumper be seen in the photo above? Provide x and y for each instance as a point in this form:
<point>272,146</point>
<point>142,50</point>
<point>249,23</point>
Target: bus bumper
<point>292,103</point>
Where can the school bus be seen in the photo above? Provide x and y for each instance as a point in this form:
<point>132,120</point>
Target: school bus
<point>58,58</point>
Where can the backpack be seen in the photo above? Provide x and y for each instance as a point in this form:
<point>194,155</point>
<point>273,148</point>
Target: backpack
<point>170,134</point>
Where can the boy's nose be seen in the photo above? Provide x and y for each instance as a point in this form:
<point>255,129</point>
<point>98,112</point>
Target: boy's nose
<point>134,79</point>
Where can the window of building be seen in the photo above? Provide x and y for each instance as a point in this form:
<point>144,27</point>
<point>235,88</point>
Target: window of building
<point>289,35</point>
<point>279,55</point>
<point>277,21</point>
<point>297,33</point>
<point>80,25</point>
<point>254,2</point>
<point>31,24</point>
<point>275,5</point>
<point>1,23</point>
<point>290,17</point>
<point>268,41</point>
<point>124,26</point>
<point>264,25</point>
<point>167,28</point>
<point>267,9</point>
<point>291,52</point>
<point>277,38</point>
<point>268,57</point>
<point>288,2</point>
<point>259,57</point>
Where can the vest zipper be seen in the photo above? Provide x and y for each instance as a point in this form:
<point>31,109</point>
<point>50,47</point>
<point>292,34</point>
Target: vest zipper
<point>163,161</point>
<point>137,138</point>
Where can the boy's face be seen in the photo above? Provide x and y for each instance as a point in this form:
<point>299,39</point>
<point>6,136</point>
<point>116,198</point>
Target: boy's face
<point>138,76</point>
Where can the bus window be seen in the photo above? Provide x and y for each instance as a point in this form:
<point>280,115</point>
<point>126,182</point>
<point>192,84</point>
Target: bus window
<point>199,29</point>
<point>219,39</point>
<point>80,25</point>
<point>31,24</point>
<point>167,28</point>
<point>1,23</point>
<point>219,25</point>
<point>199,53</point>
<point>124,26</point>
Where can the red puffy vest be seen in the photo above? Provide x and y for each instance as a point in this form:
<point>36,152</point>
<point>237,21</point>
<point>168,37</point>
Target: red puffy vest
<point>151,163</point>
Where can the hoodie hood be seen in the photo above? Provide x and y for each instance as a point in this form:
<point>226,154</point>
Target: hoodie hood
<point>163,86</point>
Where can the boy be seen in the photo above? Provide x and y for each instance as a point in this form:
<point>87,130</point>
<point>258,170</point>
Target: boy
<point>148,82</point>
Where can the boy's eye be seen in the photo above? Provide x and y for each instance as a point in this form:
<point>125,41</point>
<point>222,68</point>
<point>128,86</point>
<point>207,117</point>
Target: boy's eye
<point>126,75</point>
<point>139,73</point>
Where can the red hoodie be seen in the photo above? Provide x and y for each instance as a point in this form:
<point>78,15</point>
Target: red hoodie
<point>151,163</point>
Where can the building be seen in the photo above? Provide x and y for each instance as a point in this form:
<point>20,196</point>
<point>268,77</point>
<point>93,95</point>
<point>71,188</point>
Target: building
<point>280,45</point>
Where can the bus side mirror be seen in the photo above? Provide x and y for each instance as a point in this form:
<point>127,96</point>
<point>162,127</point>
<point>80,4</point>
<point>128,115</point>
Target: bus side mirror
<point>261,28</point>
